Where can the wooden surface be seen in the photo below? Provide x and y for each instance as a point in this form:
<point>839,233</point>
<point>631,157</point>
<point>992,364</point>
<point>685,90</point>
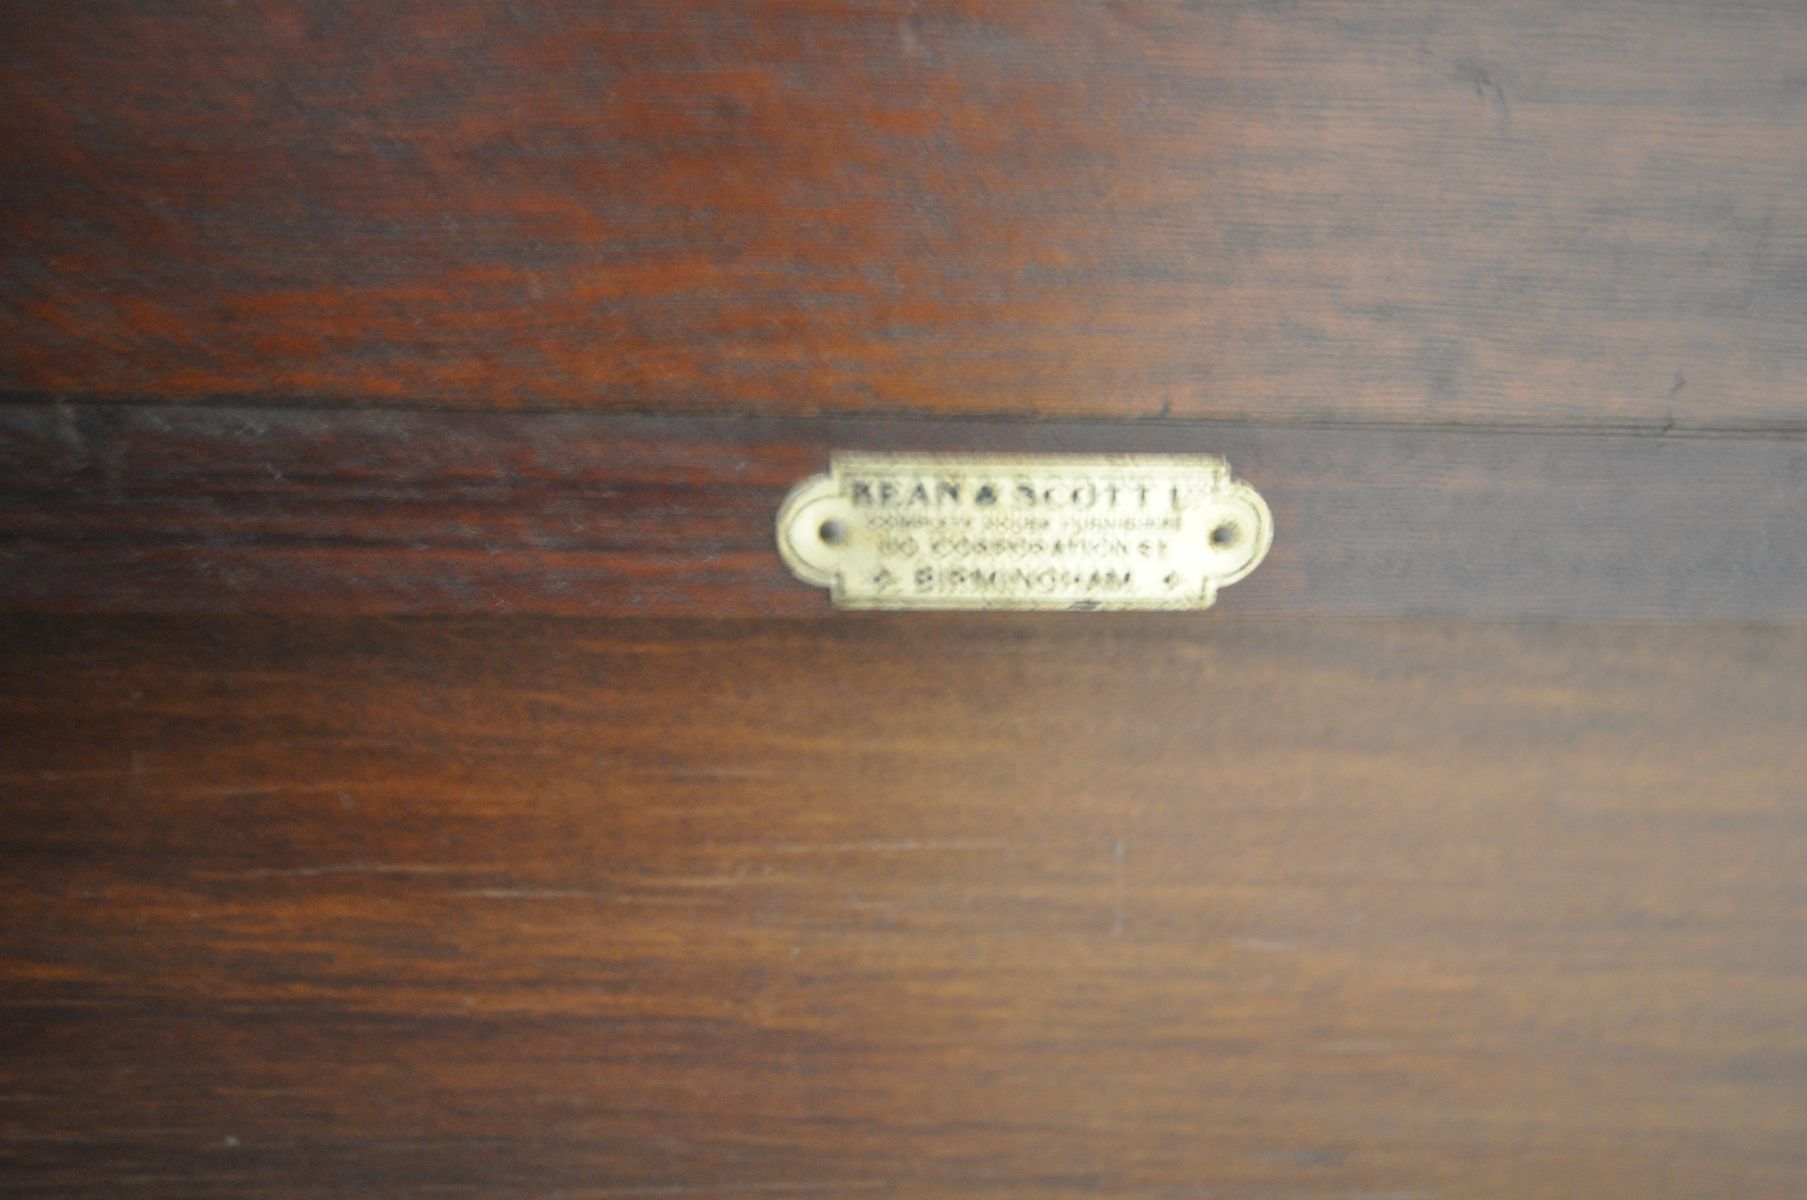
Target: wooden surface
<point>911,907</point>
<point>1528,210</point>
<point>133,509</point>
<point>514,321</point>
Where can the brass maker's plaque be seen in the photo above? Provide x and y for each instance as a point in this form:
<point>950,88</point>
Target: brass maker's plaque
<point>961,531</point>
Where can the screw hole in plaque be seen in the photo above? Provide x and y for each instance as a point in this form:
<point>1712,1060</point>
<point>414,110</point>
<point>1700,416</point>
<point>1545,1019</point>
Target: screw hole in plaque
<point>1226,535</point>
<point>832,532</point>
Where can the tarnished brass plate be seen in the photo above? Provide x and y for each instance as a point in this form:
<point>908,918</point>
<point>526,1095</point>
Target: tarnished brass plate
<point>964,531</point>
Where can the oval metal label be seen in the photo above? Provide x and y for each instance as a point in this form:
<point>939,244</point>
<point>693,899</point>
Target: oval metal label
<point>971,531</point>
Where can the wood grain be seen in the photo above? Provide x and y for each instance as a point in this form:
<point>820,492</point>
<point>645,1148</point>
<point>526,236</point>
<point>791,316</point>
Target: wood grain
<point>132,509</point>
<point>915,908</point>
<point>1528,210</point>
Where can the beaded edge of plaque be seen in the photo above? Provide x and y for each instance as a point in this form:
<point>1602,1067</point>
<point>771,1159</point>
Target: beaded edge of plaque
<point>1023,532</point>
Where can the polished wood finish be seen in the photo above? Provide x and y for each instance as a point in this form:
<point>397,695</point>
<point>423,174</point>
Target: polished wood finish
<point>134,509</point>
<point>539,837</point>
<point>1527,210</point>
<point>925,907</point>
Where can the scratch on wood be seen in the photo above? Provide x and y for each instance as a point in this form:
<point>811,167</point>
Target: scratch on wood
<point>903,846</point>
<point>1119,849</point>
<point>62,776</point>
<point>1371,1046</point>
<point>577,894</point>
<point>353,869</point>
<point>729,1189</point>
<point>296,787</point>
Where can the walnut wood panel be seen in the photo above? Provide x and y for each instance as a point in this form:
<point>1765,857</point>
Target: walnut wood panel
<point>215,510</point>
<point>1530,210</point>
<point>911,908</point>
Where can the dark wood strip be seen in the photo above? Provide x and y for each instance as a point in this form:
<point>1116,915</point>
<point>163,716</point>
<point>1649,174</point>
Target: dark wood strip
<point>216,510</point>
<point>926,908</point>
<point>1407,209</point>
